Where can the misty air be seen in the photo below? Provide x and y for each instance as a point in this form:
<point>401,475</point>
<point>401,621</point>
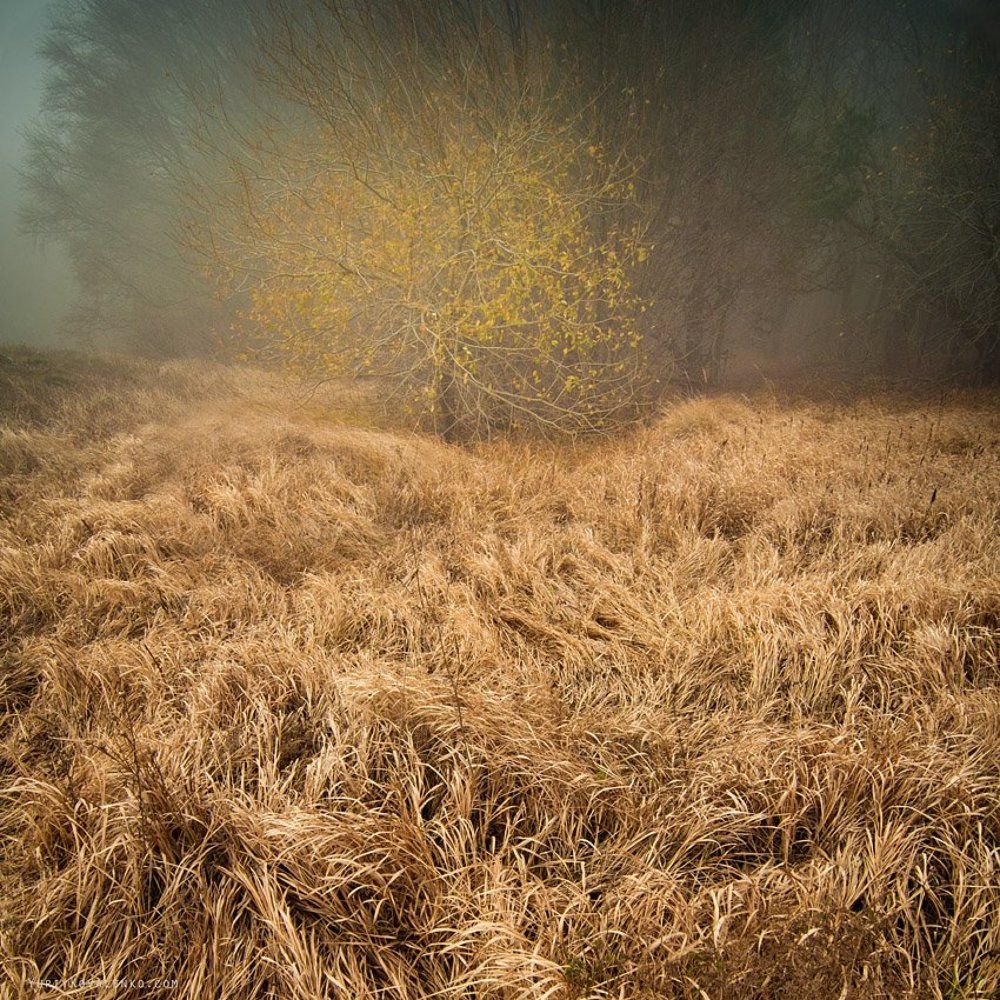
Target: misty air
<point>500,499</point>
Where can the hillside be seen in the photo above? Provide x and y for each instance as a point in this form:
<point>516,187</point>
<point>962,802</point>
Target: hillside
<point>295,706</point>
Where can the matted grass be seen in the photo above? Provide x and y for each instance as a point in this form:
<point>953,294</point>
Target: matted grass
<point>293,708</point>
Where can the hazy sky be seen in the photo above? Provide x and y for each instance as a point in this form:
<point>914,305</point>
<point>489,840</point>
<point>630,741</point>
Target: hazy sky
<point>34,285</point>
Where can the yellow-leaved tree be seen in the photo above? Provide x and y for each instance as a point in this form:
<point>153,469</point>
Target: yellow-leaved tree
<point>445,220</point>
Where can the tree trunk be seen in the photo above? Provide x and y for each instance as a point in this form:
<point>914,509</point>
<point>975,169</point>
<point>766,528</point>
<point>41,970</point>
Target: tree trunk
<point>703,338</point>
<point>895,347</point>
<point>989,360</point>
<point>446,415</point>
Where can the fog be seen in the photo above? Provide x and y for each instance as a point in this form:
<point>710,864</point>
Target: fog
<point>740,189</point>
<point>36,285</point>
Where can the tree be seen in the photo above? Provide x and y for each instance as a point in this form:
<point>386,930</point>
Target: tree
<point>439,215</point>
<point>112,152</point>
<point>936,221</point>
<point>710,91</point>
<point>908,177</point>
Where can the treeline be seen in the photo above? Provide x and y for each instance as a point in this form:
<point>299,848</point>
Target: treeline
<point>526,212</point>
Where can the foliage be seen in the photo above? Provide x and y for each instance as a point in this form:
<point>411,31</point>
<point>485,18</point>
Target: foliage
<point>479,275</point>
<point>477,250</point>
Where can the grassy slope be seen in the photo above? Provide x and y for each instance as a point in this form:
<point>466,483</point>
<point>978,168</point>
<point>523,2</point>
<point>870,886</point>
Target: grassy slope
<point>294,707</point>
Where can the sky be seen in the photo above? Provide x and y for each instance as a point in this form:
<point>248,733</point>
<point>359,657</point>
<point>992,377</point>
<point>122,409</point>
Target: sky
<point>35,284</point>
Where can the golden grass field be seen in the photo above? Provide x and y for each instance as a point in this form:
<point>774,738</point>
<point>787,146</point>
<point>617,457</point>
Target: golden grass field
<point>299,706</point>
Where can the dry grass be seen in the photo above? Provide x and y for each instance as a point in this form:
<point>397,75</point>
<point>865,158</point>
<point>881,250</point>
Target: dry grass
<point>296,709</point>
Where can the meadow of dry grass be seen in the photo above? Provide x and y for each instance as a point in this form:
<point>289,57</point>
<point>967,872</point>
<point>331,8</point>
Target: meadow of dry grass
<point>297,707</point>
